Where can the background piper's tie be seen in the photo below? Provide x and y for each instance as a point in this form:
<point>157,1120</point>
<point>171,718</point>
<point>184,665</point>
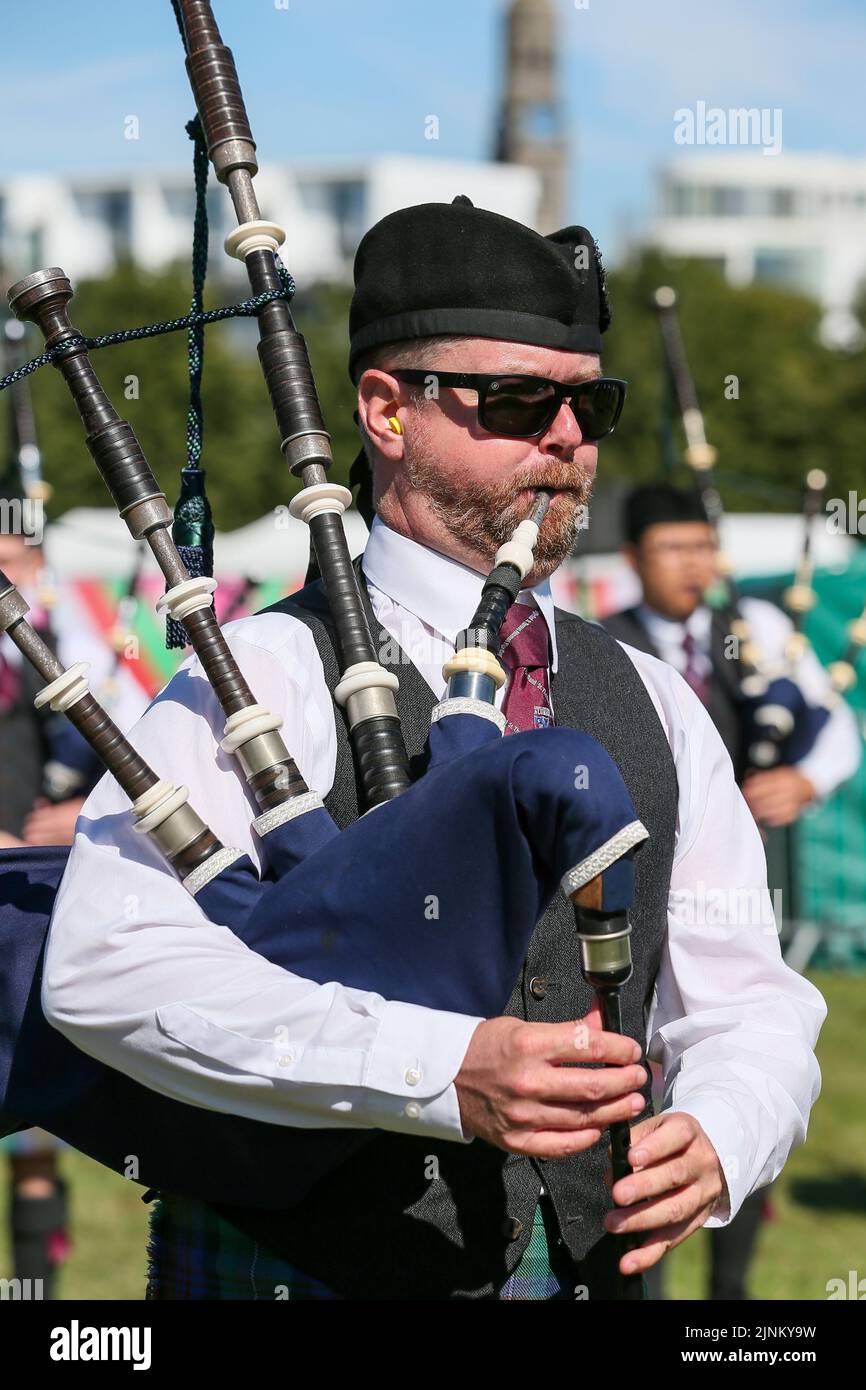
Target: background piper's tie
<point>525,654</point>
<point>691,674</point>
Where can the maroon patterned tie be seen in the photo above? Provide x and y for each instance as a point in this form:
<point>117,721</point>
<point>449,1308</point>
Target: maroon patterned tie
<point>690,674</point>
<point>525,655</point>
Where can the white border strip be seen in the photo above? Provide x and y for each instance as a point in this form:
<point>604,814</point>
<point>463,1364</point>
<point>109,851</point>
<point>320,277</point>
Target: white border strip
<point>278,815</point>
<point>602,858</point>
<point>202,876</point>
<point>465,704</point>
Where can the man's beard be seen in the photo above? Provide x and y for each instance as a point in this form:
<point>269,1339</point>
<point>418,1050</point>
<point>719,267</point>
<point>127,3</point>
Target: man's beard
<point>485,515</point>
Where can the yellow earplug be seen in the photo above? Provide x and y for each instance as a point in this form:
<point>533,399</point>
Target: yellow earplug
<point>395,424</point>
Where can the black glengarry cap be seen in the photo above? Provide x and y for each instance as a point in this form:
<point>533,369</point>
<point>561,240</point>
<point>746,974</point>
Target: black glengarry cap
<point>443,268</point>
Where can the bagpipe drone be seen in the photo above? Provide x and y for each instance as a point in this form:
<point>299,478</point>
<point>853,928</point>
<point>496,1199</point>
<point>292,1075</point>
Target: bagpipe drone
<point>800,598</point>
<point>780,725</point>
<point>499,824</point>
<point>70,768</point>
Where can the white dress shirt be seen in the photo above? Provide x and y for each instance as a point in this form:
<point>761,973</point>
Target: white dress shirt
<point>138,977</point>
<point>668,634</point>
<point>835,755</point>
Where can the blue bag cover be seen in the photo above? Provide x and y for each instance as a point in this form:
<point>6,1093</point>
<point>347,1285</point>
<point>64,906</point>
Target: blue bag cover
<point>809,720</point>
<point>46,1080</point>
<point>286,845</point>
<point>71,749</point>
<point>432,898</point>
<point>429,899</point>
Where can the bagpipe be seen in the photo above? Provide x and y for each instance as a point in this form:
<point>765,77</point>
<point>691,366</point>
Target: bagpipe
<point>26,454</point>
<point>70,766</point>
<point>800,598</point>
<point>500,825</point>
<point>780,725</point>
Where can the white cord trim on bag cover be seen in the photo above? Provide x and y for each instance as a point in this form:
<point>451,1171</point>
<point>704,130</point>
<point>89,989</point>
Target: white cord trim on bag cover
<point>602,858</point>
<point>289,810</point>
<point>465,704</point>
<point>202,876</point>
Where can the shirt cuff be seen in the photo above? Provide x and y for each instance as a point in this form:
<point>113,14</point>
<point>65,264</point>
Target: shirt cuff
<point>724,1129</point>
<point>821,773</point>
<point>412,1065</point>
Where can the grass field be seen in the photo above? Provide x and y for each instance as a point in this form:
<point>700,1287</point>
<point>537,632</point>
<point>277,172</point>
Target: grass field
<point>820,1200</point>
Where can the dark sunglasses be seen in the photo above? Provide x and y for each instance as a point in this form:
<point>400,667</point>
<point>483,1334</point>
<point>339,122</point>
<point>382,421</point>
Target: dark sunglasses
<point>523,407</point>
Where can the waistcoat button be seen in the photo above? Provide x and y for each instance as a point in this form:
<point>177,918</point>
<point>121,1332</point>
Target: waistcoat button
<point>512,1229</point>
<point>538,986</point>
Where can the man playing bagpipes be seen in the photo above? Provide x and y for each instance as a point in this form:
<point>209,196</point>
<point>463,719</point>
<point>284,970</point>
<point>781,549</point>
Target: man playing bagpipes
<point>475,347</point>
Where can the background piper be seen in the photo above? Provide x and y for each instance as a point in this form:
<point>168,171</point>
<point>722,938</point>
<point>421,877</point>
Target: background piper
<point>673,548</point>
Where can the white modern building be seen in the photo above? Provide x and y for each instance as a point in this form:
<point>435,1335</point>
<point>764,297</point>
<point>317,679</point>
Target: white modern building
<point>791,219</point>
<point>86,224</point>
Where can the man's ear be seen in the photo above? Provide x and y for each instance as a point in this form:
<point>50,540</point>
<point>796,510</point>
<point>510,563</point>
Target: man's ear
<point>379,402</point>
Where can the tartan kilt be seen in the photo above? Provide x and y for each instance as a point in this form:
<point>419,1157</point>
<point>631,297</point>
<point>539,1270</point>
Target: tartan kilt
<point>194,1254</point>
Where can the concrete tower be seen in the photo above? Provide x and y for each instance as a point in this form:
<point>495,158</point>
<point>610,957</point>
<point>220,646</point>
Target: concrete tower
<point>531,129</point>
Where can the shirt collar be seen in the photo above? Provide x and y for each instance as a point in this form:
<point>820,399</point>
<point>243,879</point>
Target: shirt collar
<point>439,591</point>
<point>671,629</point>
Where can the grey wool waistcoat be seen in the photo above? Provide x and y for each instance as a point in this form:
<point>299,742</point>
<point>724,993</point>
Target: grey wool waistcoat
<point>390,1223</point>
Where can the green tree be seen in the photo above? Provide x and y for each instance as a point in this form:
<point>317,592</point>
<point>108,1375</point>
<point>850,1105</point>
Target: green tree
<point>796,405</point>
<point>147,382</point>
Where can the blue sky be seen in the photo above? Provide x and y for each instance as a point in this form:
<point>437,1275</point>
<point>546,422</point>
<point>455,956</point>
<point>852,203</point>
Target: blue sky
<point>331,77</point>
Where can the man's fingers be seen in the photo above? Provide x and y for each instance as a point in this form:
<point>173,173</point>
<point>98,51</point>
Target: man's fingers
<point>577,1042</point>
<point>669,1135</point>
<point>578,1116</point>
<point>541,1143</point>
<point>576,1086</point>
<point>774,803</point>
<point>680,1171</point>
<point>678,1204</point>
<point>613,1049</point>
<point>593,1017</point>
<point>648,1254</point>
